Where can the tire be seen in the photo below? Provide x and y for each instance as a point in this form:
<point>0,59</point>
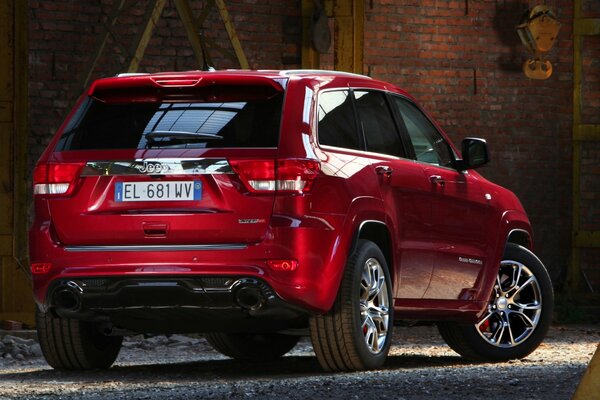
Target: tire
<point>69,344</point>
<point>252,346</point>
<point>356,333</point>
<point>517,317</point>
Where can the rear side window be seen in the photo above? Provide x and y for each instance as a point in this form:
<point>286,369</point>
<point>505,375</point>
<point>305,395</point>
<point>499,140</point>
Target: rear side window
<point>99,125</point>
<point>337,125</point>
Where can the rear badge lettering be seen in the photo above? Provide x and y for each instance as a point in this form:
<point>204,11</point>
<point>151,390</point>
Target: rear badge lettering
<point>251,221</point>
<point>467,260</point>
<point>153,168</point>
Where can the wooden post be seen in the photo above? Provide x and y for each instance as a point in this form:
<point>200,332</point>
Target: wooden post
<point>16,301</point>
<point>143,40</point>
<point>581,133</point>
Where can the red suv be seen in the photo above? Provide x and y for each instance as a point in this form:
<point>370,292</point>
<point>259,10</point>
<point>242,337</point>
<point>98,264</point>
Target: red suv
<point>260,206</point>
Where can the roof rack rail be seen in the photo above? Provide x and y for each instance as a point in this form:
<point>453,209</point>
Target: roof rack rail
<point>321,72</point>
<point>126,74</point>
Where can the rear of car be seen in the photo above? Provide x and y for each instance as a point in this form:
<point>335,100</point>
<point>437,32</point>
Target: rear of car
<point>165,204</point>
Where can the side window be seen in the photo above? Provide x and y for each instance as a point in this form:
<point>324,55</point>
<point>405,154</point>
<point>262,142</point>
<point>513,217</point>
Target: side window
<point>429,145</point>
<point>378,125</point>
<point>337,126</point>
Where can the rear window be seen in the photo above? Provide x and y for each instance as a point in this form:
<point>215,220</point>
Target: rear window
<point>98,125</point>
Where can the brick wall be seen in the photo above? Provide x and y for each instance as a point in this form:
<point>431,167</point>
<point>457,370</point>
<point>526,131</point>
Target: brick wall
<point>64,35</point>
<point>464,65</point>
<point>461,59</point>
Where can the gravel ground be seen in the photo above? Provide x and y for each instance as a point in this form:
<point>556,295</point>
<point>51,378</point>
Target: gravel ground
<point>420,366</point>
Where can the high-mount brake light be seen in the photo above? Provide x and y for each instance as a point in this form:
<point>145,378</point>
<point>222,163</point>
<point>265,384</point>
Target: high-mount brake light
<point>55,178</point>
<point>283,176</point>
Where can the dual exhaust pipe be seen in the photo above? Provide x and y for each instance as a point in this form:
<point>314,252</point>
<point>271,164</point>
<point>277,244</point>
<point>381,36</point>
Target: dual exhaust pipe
<point>247,294</point>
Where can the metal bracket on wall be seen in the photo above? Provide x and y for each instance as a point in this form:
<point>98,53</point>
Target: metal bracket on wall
<point>348,21</point>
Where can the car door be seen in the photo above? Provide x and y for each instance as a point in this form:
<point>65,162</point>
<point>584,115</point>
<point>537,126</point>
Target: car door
<point>404,190</point>
<point>461,216</point>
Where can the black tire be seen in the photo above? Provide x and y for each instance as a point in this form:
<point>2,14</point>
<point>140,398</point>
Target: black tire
<point>252,346</point>
<point>490,339</point>
<point>338,338</point>
<point>75,345</point>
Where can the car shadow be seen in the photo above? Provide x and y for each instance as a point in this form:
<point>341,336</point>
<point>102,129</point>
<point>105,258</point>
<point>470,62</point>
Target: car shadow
<point>290,366</point>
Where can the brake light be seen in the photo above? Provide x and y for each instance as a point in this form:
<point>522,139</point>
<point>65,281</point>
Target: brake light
<point>286,175</point>
<point>55,179</point>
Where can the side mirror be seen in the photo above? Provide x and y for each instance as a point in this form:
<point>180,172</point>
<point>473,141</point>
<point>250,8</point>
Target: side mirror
<point>474,153</point>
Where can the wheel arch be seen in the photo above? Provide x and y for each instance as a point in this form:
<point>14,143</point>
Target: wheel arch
<point>520,237</point>
<point>378,233</point>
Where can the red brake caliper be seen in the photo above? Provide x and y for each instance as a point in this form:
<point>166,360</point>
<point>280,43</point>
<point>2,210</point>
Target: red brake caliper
<point>485,326</point>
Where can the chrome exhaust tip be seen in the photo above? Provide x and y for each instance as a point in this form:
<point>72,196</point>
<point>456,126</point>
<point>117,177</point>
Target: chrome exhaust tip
<point>67,296</point>
<point>249,297</point>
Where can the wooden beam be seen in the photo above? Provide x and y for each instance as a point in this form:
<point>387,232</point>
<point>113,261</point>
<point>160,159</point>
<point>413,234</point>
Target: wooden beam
<point>146,34</point>
<point>358,13</point>
<point>187,18</point>
<point>204,13</point>
<point>21,104</point>
<point>310,57</point>
<point>235,41</point>
<point>589,386</point>
<point>574,269</point>
<point>589,239</point>
<point>349,35</point>
<point>586,132</point>
<point>7,97</point>
<point>100,48</point>
<point>15,290</point>
<point>586,26</point>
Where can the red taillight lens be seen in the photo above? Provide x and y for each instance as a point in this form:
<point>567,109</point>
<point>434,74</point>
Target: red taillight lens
<point>283,265</point>
<point>40,268</point>
<point>55,179</point>
<point>287,175</point>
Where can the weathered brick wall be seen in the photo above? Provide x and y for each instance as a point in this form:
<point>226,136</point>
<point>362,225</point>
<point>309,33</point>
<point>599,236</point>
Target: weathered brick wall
<point>464,65</point>
<point>64,34</point>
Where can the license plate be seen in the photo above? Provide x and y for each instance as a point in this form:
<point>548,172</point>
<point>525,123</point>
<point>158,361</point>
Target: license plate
<point>158,191</point>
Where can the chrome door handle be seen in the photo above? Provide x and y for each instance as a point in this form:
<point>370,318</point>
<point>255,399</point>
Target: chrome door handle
<point>437,180</point>
<point>384,170</point>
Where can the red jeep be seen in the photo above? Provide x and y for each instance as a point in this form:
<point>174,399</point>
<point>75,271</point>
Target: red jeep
<point>260,206</point>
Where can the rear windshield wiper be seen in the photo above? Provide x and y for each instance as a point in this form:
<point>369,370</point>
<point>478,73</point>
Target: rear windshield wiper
<point>181,135</point>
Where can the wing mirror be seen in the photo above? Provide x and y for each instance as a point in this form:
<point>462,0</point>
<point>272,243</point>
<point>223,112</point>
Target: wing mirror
<point>474,153</point>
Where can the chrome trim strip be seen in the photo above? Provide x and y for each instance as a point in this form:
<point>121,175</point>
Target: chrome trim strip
<point>158,166</point>
<point>191,247</point>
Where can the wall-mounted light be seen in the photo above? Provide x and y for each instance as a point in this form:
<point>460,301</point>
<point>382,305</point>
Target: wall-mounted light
<point>538,30</point>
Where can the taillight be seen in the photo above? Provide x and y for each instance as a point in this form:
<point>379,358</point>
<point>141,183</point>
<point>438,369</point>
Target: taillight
<point>55,178</point>
<point>285,175</point>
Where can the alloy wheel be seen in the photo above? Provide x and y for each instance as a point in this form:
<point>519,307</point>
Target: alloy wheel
<point>374,306</point>
<point>515,307</point>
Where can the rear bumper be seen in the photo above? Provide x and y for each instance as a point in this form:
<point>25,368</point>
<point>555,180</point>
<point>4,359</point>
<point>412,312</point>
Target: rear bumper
<point>174,304</point>
<point>312,287</point>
